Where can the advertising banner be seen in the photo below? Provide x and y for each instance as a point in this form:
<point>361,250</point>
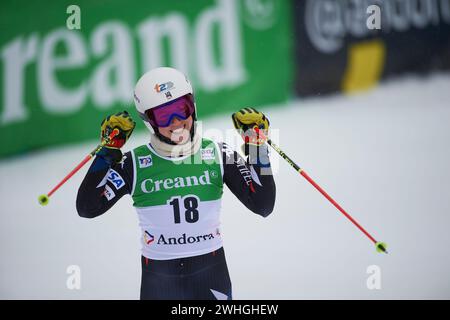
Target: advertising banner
<point>348,45</point>
<point>64,67</point>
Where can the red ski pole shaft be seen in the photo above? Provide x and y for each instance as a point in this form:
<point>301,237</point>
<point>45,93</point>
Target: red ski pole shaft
<point>379,245</point>
<point>326,195</point>
<point>70,174</point>
<point>43,199</point>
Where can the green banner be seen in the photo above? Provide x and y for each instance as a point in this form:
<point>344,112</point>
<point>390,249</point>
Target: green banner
<point>65,65</point>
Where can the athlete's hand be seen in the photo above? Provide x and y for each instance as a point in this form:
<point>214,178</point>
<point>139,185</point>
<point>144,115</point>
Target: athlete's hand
<point>121,121</point>
<point>245,120</point>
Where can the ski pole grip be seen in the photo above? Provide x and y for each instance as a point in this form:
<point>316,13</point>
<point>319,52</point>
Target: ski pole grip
<point>259,132</point>
<point>111,136</point>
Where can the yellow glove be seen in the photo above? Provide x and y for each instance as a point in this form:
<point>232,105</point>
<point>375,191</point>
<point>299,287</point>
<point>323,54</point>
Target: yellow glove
<point>123,122</point>
<point>245,120</point>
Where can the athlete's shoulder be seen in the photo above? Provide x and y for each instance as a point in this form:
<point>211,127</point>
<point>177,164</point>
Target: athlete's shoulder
<point>140,157</point>
<point>139,149</point>
<point>126,164</point>
<point>208,141</point>
<point>225,148</point>
<point>127,157</point>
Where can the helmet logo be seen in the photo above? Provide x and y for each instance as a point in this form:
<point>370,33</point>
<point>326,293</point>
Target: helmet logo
<point>164,86</point>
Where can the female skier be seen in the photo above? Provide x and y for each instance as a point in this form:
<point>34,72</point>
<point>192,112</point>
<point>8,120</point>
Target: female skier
<point>176,183</point>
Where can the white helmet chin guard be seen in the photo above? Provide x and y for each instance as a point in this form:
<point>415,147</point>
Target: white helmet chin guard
<point>160,86</point>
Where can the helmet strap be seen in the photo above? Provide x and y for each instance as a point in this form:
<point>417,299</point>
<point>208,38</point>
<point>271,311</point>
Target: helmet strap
<point>163,138</point>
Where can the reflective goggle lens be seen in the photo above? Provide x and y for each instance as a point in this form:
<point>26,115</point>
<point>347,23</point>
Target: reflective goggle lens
<point>162,116</point>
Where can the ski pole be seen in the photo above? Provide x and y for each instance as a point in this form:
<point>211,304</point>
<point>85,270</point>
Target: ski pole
<point>44,198</point>
<point>380,246</point>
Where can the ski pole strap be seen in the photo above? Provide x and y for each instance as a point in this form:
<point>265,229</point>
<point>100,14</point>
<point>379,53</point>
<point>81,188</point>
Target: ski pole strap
<point>107,140</point>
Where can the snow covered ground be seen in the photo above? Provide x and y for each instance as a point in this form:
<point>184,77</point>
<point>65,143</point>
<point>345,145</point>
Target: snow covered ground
<point>384,155</point>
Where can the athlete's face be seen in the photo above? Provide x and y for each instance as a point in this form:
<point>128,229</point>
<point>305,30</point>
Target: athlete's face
<point>178,131</point>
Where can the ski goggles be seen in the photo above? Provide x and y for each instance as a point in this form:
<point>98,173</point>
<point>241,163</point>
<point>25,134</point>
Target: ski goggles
<point>161,116</point>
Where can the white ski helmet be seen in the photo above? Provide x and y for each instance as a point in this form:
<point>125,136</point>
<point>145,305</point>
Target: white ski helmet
<point>160,86</point>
